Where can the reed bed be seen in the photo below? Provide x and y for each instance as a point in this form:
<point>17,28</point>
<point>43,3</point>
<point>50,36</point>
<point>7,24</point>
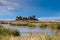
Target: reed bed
<point>32,37</point>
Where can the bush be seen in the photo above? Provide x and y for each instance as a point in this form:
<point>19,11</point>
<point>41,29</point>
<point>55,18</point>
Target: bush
<point>43,25</point>
<point>58,26</point>
<point>51,26</point>
<point>30,25</point>
<point>16,33</point>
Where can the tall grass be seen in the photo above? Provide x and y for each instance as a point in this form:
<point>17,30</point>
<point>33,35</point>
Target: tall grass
<point>52,26</point>
<point>32,37</point>
<point>8,32</point>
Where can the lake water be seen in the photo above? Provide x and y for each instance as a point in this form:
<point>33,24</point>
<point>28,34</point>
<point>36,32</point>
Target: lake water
<point>35,30</point>
<point>24,31</point>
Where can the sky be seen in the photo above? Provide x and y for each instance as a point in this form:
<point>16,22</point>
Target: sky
<point>42,9</point>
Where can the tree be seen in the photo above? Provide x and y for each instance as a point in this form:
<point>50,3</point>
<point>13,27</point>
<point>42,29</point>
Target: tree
<point>26,18</point>
<point>33,17</point>
<point>19,18</point>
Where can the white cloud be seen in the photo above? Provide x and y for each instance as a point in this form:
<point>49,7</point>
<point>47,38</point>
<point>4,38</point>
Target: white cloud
<point>4,11</point>
<point>49,18</point>
<point>7,5</point>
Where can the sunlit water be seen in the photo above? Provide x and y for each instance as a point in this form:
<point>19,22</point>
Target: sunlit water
<point>24,31</point>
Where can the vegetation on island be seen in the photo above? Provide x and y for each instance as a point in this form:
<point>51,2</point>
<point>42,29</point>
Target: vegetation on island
<point>18,24</point>
<point>27,24</point>
<point>31,25</point>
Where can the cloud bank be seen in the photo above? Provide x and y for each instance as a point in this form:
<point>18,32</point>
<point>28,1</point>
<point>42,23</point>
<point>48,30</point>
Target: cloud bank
<point>49,18</point>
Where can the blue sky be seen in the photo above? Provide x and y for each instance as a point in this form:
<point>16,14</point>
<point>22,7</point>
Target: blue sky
<point>42,9</point>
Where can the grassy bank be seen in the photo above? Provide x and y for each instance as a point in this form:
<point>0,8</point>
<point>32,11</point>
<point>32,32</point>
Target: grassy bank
<point>8,32</point>
<point>42,25</point>
<point>27,24</point>
<point>32,37</point>
<point>52,26</point>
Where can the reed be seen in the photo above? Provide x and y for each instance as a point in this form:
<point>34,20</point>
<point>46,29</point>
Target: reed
<point>8,32</point>
<point>32,37</point>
